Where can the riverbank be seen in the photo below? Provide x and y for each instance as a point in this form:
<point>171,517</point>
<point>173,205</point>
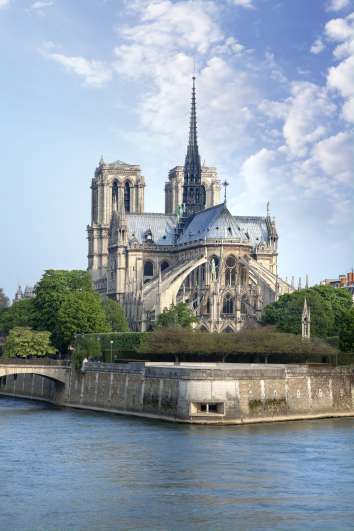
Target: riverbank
<point>197,393</point>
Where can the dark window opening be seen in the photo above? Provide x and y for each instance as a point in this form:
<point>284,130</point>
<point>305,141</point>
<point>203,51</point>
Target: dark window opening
<point>164,265</point>
<point>127,197</point>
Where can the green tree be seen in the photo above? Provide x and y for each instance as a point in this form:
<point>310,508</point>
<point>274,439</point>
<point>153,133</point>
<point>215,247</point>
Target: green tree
<point>20,313</point>
<point>24,342</point>
<point>4,301</point>
<point>178,315</point>
<point>80,312</point>
<point>50,294</point>
<point>346,333</point>
<point>328,306</point>
<point>115,315</point>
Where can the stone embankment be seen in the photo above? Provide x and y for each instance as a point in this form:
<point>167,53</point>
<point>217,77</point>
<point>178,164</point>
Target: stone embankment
<point>200,393</point>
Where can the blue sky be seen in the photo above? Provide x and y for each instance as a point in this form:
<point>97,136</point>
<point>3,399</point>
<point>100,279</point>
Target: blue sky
<point>275,89</point>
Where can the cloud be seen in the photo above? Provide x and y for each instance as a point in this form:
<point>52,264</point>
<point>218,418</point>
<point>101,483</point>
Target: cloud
<point>40,4</point>
<point>309,114</point>
<point>94,73</point>
<point>248,4</point>
<point>4,3</point>
<point>317,46</point>
<point>335,156</point>
<point>339,29</point>
<point>337,5</point>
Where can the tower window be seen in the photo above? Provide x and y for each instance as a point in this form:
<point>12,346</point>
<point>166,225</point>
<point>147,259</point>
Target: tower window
<point>127,197</point>
<point>115,196</point>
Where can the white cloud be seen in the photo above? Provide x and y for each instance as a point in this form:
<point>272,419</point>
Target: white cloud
<point>337,5</point>
<point>4,3</point>
<point>335,156</point>
<point>41,4</point>
<point>94,73</point>
<point>317,46</point>
<point>339,29</point>
<point>310,110</point>
<point>256,170</point>
<point>248,4</point>
<point>341,77</point>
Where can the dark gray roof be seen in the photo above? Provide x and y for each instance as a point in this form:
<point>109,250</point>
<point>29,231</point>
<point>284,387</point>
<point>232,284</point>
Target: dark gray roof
<point>212,223</point>
<point>162,227</point>
<point>255,227</point>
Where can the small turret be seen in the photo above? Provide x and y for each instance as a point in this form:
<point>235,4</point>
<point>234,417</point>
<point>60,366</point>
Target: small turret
<point>306,321</point>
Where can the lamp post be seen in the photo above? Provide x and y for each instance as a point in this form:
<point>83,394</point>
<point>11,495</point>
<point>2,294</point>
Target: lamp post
<point>111,342</point>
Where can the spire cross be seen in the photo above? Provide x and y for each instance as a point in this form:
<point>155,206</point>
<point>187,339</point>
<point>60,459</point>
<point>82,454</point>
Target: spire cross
<point>225,185</point>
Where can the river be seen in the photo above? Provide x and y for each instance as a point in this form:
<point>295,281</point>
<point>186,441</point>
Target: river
<point>64,469</point>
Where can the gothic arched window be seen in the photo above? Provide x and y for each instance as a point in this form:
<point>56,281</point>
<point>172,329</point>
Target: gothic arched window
<point>228,304</point>
<point>127,196</point>
<point>164,265</point>
<point>115,195</point>
<point>230,270</point>
<point>203,195</point>
<point>148,270</point>
<point>244,305</point>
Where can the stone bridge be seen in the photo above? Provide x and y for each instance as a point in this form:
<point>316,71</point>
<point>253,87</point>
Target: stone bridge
<point>58,373</point>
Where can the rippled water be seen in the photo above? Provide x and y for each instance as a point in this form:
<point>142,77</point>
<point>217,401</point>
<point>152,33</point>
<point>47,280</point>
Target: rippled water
<point>62,469</point>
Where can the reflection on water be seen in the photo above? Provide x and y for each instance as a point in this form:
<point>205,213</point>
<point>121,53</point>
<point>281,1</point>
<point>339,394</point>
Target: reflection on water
<point>63,469</point>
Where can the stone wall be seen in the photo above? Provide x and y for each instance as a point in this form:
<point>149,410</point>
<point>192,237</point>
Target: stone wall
<point>199,393</point>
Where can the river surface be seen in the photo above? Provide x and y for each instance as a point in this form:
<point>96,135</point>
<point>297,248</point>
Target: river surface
<point>64,469</point>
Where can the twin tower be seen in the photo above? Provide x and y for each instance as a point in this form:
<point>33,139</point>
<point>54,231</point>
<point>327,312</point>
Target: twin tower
<point>119,186</point>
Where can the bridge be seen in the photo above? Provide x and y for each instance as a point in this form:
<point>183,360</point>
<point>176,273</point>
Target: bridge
<point>56,371</point>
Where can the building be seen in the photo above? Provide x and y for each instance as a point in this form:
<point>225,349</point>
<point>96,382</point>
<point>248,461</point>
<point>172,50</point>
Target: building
<point>223,266</point>
<point>343,281</point>
<point>28,293</point>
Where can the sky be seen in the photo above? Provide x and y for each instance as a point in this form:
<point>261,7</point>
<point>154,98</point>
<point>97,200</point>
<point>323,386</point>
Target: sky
<point>275,104</point>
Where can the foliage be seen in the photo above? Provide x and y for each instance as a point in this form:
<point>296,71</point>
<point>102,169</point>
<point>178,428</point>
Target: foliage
<point>4,301</point>
<point>50,293</point>
<point>123,344</point>
<point>86,346</point>
<point>328,305</point>
<point>21,313</point>
<point>115,315</point>
<point>346,333</point>
<point>25,342</point>
<point>263,341</point>
<point>80,312</point>
<point>179,315</point>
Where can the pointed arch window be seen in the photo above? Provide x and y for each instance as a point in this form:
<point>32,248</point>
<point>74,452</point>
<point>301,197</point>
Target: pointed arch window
<point>228,305</point>
<point>115,196</point>
<point>148,270</point>
<point>230,270</point>
<point>127,196</point>
<point>164,265</point>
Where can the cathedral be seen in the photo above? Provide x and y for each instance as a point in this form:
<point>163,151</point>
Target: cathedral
<point>197,252</point>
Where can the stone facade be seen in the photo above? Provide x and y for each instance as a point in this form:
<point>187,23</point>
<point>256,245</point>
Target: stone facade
<point>223,266</point>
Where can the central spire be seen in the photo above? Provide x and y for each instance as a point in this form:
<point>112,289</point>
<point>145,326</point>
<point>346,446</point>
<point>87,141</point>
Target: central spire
<point>193,191</point>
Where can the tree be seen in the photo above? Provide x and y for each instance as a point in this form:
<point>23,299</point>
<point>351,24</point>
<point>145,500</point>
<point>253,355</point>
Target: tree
<point>328,306</point>
<point>50,294</point>
<point>179,315</point>
<point>79,313</point>
<point>22,313</point>
<point>115,315</point>
<point>346,333</point>
<point>24,342</point>
<point>4,301</point>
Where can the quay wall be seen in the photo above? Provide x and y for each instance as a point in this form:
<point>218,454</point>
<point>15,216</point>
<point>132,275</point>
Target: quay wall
<point>197,393</point>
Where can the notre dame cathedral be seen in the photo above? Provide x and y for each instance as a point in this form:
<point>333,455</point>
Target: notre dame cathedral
<point>223,266</point>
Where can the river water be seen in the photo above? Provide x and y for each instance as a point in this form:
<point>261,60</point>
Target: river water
<point>64,469</point>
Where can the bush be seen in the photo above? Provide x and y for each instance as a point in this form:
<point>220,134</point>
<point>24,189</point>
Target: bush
<point>24,342</point>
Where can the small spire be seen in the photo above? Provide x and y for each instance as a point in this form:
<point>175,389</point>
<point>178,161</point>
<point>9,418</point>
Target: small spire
<point>268,209</point>
<point>225,185</point>
<point>307,282</point>
<point>101,160</point>
<point>299,284</point>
